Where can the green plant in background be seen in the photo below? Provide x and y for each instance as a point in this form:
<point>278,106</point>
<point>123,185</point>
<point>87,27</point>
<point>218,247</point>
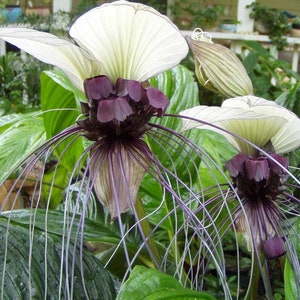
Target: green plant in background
<point>160,5</point>
<point>275,22</point>
<point>188,15</point>
<point>11,83</point>
<point>35,21</point>
<point>85,5</point>
<point>19,83</point>
<point>269,75</point>
<point>3,3</point>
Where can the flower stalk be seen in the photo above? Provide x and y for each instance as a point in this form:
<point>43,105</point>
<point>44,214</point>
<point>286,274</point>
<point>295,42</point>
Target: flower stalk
<point>147,232</point>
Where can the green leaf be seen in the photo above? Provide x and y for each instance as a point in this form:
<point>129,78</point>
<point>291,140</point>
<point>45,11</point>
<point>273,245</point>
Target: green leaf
<point>31,267</point>
<point>100,236</point>
<point>54,183</point>
<point>290,286</point>
<point>149,284</point>
<point>151,192</point>
<point>289,98</point>
<point>183,93</point>
<point>61,79</point>
<point>20,136</point>
<point>56,222</point>
<point>180,86</point>
<point>217,146</point>
<point>60,111</point>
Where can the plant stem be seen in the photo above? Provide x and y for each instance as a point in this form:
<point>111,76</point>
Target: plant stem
<point>252,292</point>
<point>259,269</point>
<point>146,229</point>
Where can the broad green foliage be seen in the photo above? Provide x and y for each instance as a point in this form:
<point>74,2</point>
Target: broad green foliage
<point>61,110</point>
<point>180,86</point>
<point>20,135</point>
<point>149,284</point>
<point>290,98</point>
<point>290,286</point>
<point>60,78</point>
<point>30,271</point>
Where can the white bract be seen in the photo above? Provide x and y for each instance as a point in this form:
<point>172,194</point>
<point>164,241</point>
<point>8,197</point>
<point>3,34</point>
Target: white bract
<point>119,39</point>
<point>252,119</point>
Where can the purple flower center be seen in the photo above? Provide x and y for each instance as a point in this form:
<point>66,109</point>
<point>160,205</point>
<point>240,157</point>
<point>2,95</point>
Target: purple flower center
<point>123,108</point>
<point>259,181</point>
<point>258,178</point>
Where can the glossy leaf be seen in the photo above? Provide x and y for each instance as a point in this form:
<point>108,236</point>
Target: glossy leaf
<point>60,111</point>
<point>180,86</point>
<point>35,272</point>
<point>20,135</point>
<point>55,222</point>
<point>61,79</point>
<point>150,284</point>
<point>100,236</point>
<point>290,287</point>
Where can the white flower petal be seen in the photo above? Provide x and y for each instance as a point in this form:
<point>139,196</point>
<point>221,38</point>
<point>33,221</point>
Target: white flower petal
<point>133,41</point>
<point>53,50</point>
<point>212,114</point>
<point>261,106</point>
<point>247,102</point>
<point>275,111</point>
<point>288,138</point>
<point>259,129</point>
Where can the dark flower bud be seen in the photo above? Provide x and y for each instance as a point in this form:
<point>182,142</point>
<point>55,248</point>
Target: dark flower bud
<point>274,247</point>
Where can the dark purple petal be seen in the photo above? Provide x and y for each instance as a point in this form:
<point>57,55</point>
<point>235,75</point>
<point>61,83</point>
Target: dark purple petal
<point>134,90</point>
<point>235,166</point>
<point>274,247</point>
<point>97,87</point>
<point>122,109</point>
<point>257,169</point>
<point>282,160</point>
<point>111,109</point>
<point>121,87</point>
<point>106,110</point>
<point>156,98</point>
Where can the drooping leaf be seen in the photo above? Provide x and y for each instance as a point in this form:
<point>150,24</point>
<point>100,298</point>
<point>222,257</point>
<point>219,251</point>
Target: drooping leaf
<point>101,237</point>
<point>56,222</point>
<point>150,284</point>
<point>33,260</point>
